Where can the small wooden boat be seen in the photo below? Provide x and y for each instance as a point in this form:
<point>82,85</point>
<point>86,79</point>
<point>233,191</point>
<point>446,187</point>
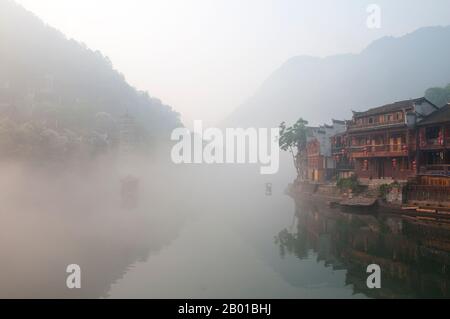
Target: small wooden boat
<point>359,202</point>
<point>361,205</point>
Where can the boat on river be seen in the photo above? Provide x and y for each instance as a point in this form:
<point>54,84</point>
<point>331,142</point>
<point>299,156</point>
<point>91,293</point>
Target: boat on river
<point>362,205</point>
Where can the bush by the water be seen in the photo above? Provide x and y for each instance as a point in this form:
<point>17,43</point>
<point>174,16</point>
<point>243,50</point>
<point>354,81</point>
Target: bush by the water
<point>348,183</point>
<point>385,189</point>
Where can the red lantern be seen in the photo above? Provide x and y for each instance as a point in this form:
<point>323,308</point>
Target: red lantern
<point>405,148</point>
<point>422,141</point>
<point>394,163</point>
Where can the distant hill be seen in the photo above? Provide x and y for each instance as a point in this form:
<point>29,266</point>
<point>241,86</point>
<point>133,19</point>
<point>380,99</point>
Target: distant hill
<point>319,89</point>
<point>49,80</point>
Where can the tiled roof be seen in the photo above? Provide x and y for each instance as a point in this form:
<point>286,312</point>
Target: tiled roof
<point>440,116</point>
<point>397,106</point>
<point>338,122</point>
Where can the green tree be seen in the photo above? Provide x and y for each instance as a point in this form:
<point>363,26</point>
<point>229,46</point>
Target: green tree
<point>294,139</point>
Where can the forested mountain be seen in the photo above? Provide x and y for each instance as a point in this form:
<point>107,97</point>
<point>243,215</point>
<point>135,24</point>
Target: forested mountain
<point>54,90</point>
<point>318,89</point>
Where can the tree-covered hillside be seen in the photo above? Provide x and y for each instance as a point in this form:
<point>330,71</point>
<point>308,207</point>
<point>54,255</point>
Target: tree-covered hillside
<point>55,91</point>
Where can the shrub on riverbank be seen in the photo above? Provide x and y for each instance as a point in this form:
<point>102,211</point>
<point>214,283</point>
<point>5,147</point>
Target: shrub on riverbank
<point>350,183</point>
<point>385,189</point>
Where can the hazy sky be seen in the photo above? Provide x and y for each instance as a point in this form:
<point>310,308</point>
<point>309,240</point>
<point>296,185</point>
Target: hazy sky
<point>205,57</point>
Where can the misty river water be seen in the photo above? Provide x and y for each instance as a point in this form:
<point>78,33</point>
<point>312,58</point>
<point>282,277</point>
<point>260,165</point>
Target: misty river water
<point>208,233</point>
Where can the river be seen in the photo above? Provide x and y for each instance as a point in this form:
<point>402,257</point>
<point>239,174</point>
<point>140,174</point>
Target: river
<point>215,233</point>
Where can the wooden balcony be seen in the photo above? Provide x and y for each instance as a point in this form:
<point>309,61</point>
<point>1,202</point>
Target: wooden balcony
<point>338,150</point>
<point>376,124</point>
<point>432,144</point>
<point>435,170</point>
<point>435,143</point>
<point>392,150</point>
<point>345,166</point>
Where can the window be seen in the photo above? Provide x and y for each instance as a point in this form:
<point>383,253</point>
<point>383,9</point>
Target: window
<point>432,132</point>
<point>398,116</point>
<point>433,135</point>
<point>434,158</point>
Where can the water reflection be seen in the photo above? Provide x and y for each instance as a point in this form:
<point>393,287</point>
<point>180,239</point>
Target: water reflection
<point>49,221</point>
<point>414,256</point>
<point>194,237</point>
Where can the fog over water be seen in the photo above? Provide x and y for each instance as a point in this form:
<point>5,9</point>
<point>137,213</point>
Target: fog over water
<point>198,231</point>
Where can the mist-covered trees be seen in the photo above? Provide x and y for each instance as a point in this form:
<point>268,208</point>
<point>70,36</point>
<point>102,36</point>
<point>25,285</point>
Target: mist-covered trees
<point>36,142</point>
<point>438,96</point>
<point>57,95</point>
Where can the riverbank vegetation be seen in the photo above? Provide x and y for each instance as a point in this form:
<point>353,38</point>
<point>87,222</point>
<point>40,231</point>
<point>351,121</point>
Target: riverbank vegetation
<point>350,183</point>
<point>293,139</point>
<point>385,189</point>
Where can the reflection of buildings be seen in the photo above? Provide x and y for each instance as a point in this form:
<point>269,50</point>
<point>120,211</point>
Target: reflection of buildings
<point>414,257</point>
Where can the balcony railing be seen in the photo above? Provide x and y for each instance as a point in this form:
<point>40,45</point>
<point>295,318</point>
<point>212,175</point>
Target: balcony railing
<point>435,170</point>
<point>379,150</point>
<point>433,141</point>
<point>369,125</point>
<point>344,166</point>
<point>338,150</point>
<point>436,142</point>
